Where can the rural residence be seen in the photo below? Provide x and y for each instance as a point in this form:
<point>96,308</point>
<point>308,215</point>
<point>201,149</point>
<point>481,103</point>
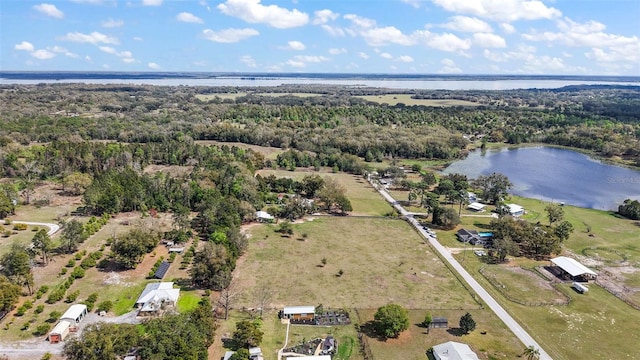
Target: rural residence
<point>299,313</point>
<point>515,210</point>
<point>452,350</point>
<point>157,297</point>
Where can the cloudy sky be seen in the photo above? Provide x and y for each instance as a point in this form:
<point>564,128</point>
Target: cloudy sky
<point>594,37</point>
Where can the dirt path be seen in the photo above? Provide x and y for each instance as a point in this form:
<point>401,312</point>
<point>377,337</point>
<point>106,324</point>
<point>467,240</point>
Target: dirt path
<point>53,228</point>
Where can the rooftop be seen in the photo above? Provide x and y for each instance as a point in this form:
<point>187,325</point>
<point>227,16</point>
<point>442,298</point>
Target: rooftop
<point>571,266</point>
<point>452,350</point>
<point>74,311</point>
<point>290,310</point>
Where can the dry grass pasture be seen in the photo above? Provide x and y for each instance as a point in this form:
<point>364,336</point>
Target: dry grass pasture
<point>394,99</point>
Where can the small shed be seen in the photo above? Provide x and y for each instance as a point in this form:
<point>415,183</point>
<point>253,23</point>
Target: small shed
<point>263,216</point>
<point>59,332</point>
<point>574,269</point>
<point>476,206</point>
<point>299,312</point>
<point>75,314</point>
<point>439,323</point>
<point>176,249</point>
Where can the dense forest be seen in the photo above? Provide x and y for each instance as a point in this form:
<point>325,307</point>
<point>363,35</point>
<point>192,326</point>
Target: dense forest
<point>329,120</point>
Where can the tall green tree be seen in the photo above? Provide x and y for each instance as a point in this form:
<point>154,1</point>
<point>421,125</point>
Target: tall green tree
<point>43,245</point>
<point>212,267</point>
<point>129,249</point>
<point>102,341</point>
<point>555,213</point>
<point>495,187</point>
<point>247,334</point>
<point>467,324</point>
<point>391,320</point>
<point>72,235</point>
<point>531,353</point>
<point>16,266</point>
<point>9,294</point>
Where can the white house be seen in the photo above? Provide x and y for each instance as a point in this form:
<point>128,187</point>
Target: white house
<point>156,296</point>
<point>515,210</point>
<point>452,350</point>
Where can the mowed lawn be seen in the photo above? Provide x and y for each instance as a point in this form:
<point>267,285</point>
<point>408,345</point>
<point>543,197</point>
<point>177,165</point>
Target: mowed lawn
<point>365,200</point>
<point>382,261</point>
<point>496,343</point>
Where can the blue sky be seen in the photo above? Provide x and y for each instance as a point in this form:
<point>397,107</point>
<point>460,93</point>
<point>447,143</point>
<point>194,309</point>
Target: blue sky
<point>587,37</point>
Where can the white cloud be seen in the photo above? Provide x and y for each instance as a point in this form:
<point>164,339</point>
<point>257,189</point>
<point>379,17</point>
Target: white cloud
<point>360,21</point>
<point>604,47</point>
<point>310,58</point>
<point>467,24</point>
<point>137,38</point>
<point>248,61</point>
<point>298,64</point>
<point>362,55</point>
<point>296,45</point>
<point>230,35</point>
<point>61,50</point>
<point>151,3</point>
<point>449,67</point>
<point>154,66</point>
<point>93,38</point>
<point>324,16</point>
<point>386,35</point>
<point>49,10</point>
<point>404,58</point>
<point>253,12</point>
<point>334,31</point>
<point>507,28</point>
<point>386,55</point>
<point>25,46</point>
<point>445,42</point>
<point>188,18</point>
<point>503,10</point>
<point>336,51</point>
<point>43,54</point>
<point>487,40</point>
<point>126,56</point>
<point>88,58</point>
<point>111,23</point>
<point>95,2</point>
<point>414,3</point>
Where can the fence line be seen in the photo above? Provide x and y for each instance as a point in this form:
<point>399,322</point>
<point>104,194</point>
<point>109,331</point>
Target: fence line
<point>498,286</point>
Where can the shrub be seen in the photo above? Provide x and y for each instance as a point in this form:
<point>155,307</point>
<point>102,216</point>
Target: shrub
<point>20,227</point>
<point>56,296</point>
<point>28,304</point>
<point>42,290</point>
<point>105,306</point>
<point>78,256</point>
<point>103,263</point>
<point>42,329</point>
<point>54,316</point>
<point>88,262</point>
<point>77,273</point>
<point>39,309</point>
<point>71,263</point>
<point>21,310</point>
<point>73,296</point>
<point>63,271</point>
<point>25,327</point>
<point>92,298</point>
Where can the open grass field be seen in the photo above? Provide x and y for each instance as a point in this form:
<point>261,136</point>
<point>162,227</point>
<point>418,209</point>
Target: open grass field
<point>522,285</point>
<point>364,198</point>
<point>269,152</point>
<point>394,99</point>
<point>383,261</point>
<point>596,323</point>
<point>497,343</point>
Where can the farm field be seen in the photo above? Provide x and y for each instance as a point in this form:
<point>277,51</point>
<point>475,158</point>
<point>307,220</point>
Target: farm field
<point>596,323</point>
<point>497,343</point>
<point>364,198</point>
<point>394,99</point>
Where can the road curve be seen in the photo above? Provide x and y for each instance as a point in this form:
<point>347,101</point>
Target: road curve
<point>53,228</point>
<point>513,325</point>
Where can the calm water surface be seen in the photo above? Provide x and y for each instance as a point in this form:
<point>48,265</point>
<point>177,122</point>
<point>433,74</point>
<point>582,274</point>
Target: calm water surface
<point>557,175</point>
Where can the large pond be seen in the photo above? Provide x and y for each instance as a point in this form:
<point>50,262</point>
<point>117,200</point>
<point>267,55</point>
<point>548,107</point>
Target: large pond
<point>556,175</point>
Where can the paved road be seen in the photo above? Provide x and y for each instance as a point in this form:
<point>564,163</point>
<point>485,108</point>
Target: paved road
<point>53,228</point>
<point>526,339</point>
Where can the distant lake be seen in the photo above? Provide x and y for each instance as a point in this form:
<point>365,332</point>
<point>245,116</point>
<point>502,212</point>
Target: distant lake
<point>432,82</point>
<point>557,175</point>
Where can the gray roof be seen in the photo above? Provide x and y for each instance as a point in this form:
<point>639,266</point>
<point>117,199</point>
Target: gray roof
<point>571,266</point>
